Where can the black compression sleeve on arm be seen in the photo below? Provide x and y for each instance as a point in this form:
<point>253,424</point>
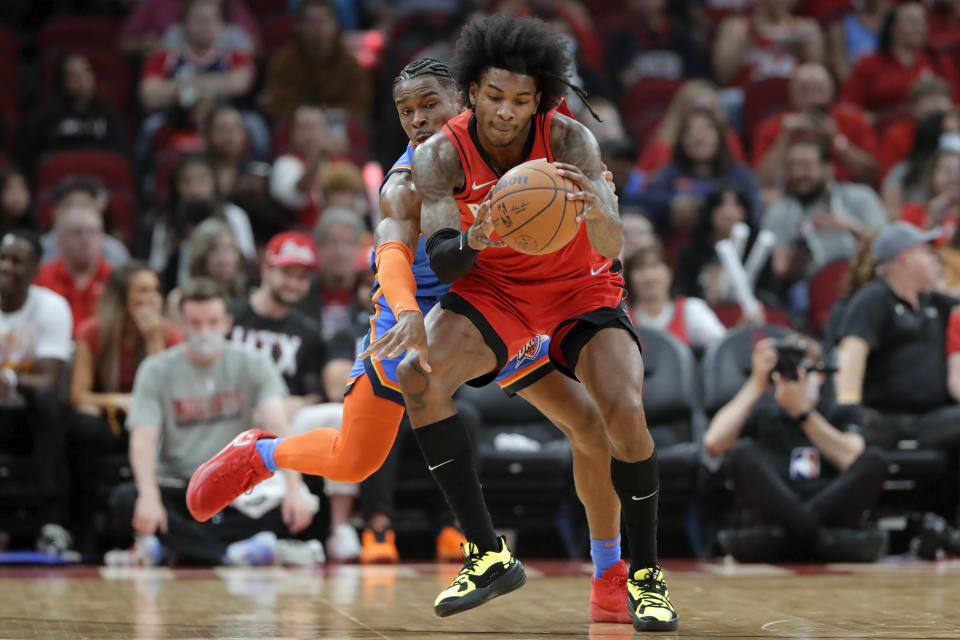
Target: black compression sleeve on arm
<point>450,255</point>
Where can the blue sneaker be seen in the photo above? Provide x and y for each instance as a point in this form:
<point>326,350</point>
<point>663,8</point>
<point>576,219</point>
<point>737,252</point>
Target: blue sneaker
<point>256,551</point>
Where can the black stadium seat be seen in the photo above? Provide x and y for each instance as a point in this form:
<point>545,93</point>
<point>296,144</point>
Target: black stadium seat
<point>727,364</point>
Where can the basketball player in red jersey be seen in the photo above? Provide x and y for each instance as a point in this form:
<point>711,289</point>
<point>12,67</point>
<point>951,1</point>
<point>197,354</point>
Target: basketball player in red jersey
<point>512,72</point>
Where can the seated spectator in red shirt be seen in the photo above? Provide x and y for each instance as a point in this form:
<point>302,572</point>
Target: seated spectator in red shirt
<point>647,281</point>
<point>294,182</point>
<point>882,80</point>
<point>693,95</point>
<point>944,21</point>
<point>942,186</point>
<point>198,67</point>
<point>855,35</point>
<point>814,114</point>
<point>927,96</point>
<point>80,273</point>
<point>128,327</point>
<point>768,44</point>
<point>151,19</point>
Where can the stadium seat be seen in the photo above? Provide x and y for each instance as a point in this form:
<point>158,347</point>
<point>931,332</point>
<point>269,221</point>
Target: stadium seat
<point>10,122</point>
<point>113,168</point>
<point>9,44</point>
<point>643,105</point>
<point>824,291</point>
<point>729,315</point>
<point>277,31</point>
<point>763,99</point>
<point>727,364</point>
<point>69,32</point>
<point>265,9</point>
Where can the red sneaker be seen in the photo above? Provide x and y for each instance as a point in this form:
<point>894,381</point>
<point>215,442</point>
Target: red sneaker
<point>608,595</point>
<point>226,476</point>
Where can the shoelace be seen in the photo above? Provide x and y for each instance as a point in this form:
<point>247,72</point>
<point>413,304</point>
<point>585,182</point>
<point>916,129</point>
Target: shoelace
<point>654,592</point>
<point>470,563</point>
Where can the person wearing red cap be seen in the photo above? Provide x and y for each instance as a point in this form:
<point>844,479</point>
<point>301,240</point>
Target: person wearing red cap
<point>269,322</point>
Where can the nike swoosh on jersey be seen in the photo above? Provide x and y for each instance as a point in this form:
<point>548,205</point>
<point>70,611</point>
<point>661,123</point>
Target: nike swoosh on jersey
<point>481,186</point>
<point>594,272</point>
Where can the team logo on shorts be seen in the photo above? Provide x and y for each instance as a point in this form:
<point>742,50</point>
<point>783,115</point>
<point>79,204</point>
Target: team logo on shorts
<point>531,350</point>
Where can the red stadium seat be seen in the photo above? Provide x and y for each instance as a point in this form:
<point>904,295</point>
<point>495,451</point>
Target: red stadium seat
<point>10,114</point>
<point>763,99</point>
<point>264,9</point>
<point>824,291</point>
<point>277,31</point>
<point>9,44</point>
<point>70,32</point>
<point>111,167</point>
<point>10,78</point>
<point>644,104</point>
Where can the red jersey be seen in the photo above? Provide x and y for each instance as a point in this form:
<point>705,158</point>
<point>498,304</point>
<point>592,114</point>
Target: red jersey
<point>575,260</point>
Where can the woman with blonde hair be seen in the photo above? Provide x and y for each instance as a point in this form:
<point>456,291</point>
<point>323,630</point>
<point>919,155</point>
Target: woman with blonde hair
<point>693,95</point>
<point>128,327</point>
<point>213,253</point>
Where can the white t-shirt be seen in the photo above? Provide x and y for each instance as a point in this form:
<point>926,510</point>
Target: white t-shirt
<point>287,171</point>
<point>40,329</point>
<point>700,322</point>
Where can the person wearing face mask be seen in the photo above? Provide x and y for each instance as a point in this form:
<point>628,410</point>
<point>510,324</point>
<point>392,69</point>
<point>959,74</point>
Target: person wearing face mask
<point>194,399</point>
<point>891,361</point>
<point>801,474</point>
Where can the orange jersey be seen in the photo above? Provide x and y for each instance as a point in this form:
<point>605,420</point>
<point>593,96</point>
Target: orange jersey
<point>576,260</point>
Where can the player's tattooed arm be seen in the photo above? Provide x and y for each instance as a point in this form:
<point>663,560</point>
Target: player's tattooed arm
<point>577,156</point>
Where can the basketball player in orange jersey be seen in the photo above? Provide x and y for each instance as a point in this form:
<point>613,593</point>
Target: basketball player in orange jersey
<point>512,72</point>
<point>425,95</point>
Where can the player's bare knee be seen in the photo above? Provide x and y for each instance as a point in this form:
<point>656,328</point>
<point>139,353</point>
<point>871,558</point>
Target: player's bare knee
<point>589,436</point>
<point>626,430</point>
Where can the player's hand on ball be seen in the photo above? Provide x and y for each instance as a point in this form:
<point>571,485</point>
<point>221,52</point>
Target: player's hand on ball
<point>408,333</point>
<point>591,202</point>
<point>478,236</point>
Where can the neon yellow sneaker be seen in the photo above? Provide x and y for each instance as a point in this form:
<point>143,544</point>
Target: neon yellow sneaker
<point>649,601</point>
<point>483,577</point>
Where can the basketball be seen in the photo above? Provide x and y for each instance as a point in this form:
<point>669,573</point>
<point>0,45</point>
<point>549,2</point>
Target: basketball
<point>531,211</point>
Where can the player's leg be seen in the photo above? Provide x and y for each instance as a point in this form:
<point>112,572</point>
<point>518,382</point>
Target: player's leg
<point>566,404</point>
<point>606,358</point>
<point>458,352</point>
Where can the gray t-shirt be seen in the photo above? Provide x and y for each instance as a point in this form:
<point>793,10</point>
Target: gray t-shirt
<point>792,222</point>
<point>198,410</point>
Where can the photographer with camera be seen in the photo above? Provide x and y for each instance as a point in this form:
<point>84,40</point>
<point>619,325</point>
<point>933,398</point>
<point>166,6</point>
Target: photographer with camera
<point>803,483</point>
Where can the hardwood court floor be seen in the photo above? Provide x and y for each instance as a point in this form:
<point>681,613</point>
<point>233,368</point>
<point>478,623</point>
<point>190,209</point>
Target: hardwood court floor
<point>890,601</point>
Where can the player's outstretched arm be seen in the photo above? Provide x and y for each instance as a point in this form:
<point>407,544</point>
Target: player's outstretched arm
<point>577,157</point>
<point>437,173</point>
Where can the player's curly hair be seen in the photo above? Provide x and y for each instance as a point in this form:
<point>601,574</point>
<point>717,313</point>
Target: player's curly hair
<point>520,45</point>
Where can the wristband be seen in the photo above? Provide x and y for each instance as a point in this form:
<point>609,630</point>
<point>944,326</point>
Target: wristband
<point>450,254</point>
<point>803,416</point>
<point>397,282</point>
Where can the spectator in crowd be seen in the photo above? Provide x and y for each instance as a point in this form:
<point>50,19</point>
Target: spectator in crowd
<point>85,191</point>
<point>927,96</point>
<point>942,189</point>
<point>855,35</point>
<point>16,210</point>
<point>798,467</point>
<point>342,186</point>
<point>653,45</point>
<point>637,231</point>
<point>35,330</point>
<point>194,178</point>
<point>699,271</point>
<point>212,254</point>
<point>881,80</point>
<point>340,237</point>
<point>693,95</point>
<point>891,357</point>
<point>701,160</point>
<point>817,220</point>
<point>80,273</point>
<point>210,382</point>
<point>315,371</point>
<point>842,128</point>
<point>647,281</point>
<point>76,117</point>
<point>128,327</point>
<point>317,67</point>
<point>904,183</point>
<point>198,67</point>
<point>768,44</point>
<point>150,20</point>
<point>944,23</point>
<point>861,270</point>
<point>233,37</point>
<point>239,178</point>
<point>294,182</point>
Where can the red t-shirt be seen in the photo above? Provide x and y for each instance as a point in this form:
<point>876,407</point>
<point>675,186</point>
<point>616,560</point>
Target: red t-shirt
<point>944,29</point>
<point>953,332</point>
<point>170,64</point>
<point>896,144</point>
<point>89,333</point>
<point>916,214</point>
<point>850,121</point>
<point>55,276</point>
<point>878,81</point>
<point>658,154</point>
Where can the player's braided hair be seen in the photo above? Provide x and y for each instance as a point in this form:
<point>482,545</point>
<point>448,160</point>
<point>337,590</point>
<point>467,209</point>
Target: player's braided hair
<point>425,67</point>
<point>519,45</point>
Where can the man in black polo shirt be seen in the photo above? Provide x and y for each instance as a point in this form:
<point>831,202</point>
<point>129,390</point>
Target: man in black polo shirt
<point>892,359</point>
<point>800,472</point>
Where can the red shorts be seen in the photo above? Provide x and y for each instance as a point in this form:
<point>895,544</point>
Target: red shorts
<point>508,311</point>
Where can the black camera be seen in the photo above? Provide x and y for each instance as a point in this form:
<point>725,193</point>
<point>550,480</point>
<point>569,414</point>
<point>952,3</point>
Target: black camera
<point>791,354</point>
